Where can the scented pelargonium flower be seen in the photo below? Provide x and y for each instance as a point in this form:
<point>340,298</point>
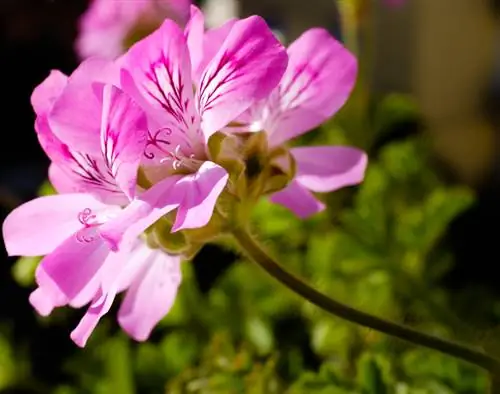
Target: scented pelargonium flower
<point>320,76</point>
<point>109,27</point>
<point>79,268</point>
<point>160,72</point>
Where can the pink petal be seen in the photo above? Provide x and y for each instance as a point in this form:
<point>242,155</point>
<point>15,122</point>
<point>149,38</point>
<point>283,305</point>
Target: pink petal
<point>150,296</point>
<point>157,74</point>
<point>104,26</point>
<point>329,168</point>
<point>142,212</point>
<point>123,137</point>
<point>81,172</point>
<point>194,33</point>
<point>298,199</point>
<point>75,118</point>
<point>44,300</point>
<point>99,307</point>
<point>39,226</point>
<point>204,45</point>
<point>200,193</point>
<point>247,67</point>
<point>76,172</point>
<point>45,94</point>
<point>51,145</point>
<point>195,195</point>
<point>74,268</point>
<point>62,182</point>
<point>139,255</point>
<point>320,76</point>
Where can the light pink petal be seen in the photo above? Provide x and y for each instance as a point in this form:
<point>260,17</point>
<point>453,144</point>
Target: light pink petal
<point>200,193</point>
<point>123,137</point>
<point>62,182</point>
<point>150,296</point>
<point>45,300</point>
<point>142,212</point>
<point>106,44</point>
<point>75,171</point>
<point>75,118</point>
<point>329,168</point>
<point>103,28</point>
<point>52,146</point>
<point>204,45</point>
<point>194,33</point>
<point>74,268</point>
<point>212,42</point>
<point>298,199</point>
<point>100,306</point>
<point>139,255</point>
<point>45,94</point>
<point>157,74</point>
<point>320,76</point>
<point>39,226</point>
<point>195,195</point>
<point>247,67</point>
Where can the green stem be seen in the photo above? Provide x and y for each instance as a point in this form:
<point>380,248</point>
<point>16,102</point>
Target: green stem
<point>348,23</point>
<point>257,254</point>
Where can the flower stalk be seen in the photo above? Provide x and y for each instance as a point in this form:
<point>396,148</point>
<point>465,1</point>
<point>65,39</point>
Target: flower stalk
<point>338,309</point>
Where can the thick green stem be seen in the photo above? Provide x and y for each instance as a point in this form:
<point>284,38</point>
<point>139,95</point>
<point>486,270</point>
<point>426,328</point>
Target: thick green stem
<point>257,254</point>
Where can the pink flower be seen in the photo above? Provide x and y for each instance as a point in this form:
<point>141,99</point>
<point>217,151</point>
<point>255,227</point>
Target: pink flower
<point>158,73</point>
<point>320,76</point>
<point>79,268</point>
<point>108,26</point>
<point>100,125</point>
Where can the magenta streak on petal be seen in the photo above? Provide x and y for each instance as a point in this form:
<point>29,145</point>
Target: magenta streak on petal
<point>206,102</point>
<point>88,169</point>
<point>174,103</point>
<point>311,72</point>
<point>110,154</point>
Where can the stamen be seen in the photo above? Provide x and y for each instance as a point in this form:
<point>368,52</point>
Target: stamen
<point>180,160</point>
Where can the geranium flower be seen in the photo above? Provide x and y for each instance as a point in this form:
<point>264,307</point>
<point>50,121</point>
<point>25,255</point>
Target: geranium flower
<point>159,74</point>
<point>320,76</point>
<point>79,267</point>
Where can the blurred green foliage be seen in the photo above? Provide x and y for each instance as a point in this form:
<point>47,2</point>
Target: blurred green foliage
<point>378,247</point>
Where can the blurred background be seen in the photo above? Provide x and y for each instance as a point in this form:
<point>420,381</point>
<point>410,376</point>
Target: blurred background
<point>417,242</point>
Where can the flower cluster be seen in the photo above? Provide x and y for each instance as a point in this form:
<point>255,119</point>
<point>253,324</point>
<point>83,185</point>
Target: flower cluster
<point>166,147</point>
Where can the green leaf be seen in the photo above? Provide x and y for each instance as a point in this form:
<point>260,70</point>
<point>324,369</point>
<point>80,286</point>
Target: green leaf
<point>23,270</point>
<point>260,335</point>
<point>394,108</point>
<point>373,374</point>
<point>46,189</point>
<point>420,227</point>
<point>118,366</point>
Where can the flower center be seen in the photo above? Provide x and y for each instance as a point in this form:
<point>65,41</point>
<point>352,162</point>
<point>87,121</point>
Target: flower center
<point>180,161</point>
